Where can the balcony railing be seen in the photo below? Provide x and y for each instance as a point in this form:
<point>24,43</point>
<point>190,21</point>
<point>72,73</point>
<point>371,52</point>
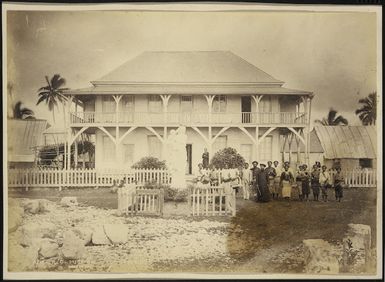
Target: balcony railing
<point>189,118</point>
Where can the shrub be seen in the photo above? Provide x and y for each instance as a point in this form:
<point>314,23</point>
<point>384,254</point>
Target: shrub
<point>227,157</point>
<point>150,162</point>
<point>172,194</point>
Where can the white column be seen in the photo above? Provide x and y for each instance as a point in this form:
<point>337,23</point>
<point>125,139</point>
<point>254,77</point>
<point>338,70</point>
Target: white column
<point>165,99</point>
<point>257,143</point>
<point>76,153</point>
<point>210,99</point>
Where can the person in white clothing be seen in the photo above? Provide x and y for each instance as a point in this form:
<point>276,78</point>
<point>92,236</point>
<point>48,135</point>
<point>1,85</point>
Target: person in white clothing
<point>324,181</point>
<point>246,181</point>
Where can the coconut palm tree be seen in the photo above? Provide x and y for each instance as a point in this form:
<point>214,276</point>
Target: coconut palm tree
<point>52,93</point>
<point>20,112</point>
<point>368,111</point>
<point>332,119</point>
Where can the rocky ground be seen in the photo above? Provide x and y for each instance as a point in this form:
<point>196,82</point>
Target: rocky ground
<point>63,235</point>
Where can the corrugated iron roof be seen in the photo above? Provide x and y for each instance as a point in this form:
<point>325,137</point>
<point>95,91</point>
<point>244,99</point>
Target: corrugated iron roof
<point>188,67</point>
<point>23,135</point>
<point>353,142</point>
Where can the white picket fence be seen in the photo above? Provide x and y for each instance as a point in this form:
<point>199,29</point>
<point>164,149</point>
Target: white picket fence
<point>359,177</point>
<point>141,201</point>
<point>83,177</point>
<point>211,201</point>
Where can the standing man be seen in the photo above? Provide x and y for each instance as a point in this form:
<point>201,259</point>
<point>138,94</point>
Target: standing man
<point>246,181</point>
<point>271,174</point>
<point>277,180</point>
<point>324,180</point>
<point>205,159</point>
<point>315,182</point>
<point>255,173</point>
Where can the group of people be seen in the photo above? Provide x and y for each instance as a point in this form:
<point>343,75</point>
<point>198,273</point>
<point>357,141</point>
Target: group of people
<point>274,181</point>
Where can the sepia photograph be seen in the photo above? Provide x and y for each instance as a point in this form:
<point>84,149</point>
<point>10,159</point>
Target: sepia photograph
<point>192,140</point>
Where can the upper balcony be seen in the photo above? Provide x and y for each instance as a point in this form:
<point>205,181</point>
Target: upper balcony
<point>188,118</point>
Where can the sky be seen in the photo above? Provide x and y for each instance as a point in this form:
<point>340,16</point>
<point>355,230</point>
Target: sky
<point>330,54</point>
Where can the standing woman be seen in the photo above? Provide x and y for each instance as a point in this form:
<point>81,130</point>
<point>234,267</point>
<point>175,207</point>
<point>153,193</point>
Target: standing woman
<point>286,181</point>
<point>338,184</point>
<point>315,182</point>
<point>298,182</point>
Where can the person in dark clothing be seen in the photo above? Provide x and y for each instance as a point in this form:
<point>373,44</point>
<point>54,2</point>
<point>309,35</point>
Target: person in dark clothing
<point>255,174</point>
<point>305,183</point>
<point>315,186</point>
<point>271,172</point>
<point>338,184</point>
<point>205,159</point>
<point>263,180</point>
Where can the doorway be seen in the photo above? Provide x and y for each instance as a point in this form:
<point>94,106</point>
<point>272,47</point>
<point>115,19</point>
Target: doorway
<point>246,109</point>
<point>189,158</point>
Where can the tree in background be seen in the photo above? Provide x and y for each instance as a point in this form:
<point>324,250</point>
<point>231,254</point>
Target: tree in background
<point>52,94</point>
<point>332,119</point>
<point>227,157</point>
<point>368,111</point>
<point>20,112</point>
<point>150,162</point>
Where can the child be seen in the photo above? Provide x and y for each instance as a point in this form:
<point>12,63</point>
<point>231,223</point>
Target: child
<point>114,187</point>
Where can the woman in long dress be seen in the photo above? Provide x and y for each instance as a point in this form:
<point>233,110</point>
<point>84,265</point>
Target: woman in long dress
<point>286,181</point>
<point>338,184</point>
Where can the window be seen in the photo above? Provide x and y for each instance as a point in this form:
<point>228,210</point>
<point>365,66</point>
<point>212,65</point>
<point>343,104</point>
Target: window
<point>186,103</point>
<point>154,103</point>
<point>128,151</point>
<point>265,104</point>
<point>154,146</point>
<point>220,143</point>
<point>127,109</point>
<point>366,163</point>
<point>219,104</point>
<point>108,149</point>
<point>108,104</point>
<point>246,152</point>
<point>127,103</point>
<point>265,149</point>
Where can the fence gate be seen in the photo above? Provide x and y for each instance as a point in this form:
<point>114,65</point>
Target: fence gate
<point>141,201</point>
<point>211,201</point>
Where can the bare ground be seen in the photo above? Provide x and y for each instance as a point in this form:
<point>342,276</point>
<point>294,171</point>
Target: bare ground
<point>262,237</point>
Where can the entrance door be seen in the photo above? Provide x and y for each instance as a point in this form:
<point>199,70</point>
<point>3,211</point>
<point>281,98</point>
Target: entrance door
<point>189,158</point>
<point>246,109</point>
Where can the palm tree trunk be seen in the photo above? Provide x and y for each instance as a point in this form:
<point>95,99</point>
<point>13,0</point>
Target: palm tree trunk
<point>53,115</point>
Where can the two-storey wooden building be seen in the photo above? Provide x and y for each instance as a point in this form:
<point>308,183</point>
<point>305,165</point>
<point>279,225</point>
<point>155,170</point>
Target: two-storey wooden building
<point>222,100</point>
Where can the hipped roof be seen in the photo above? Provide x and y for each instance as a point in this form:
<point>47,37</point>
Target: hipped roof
<point>351,142</point>
<point>187,72</point>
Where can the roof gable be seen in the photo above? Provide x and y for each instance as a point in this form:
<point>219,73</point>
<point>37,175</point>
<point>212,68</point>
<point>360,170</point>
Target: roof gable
<point>187,67</point>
